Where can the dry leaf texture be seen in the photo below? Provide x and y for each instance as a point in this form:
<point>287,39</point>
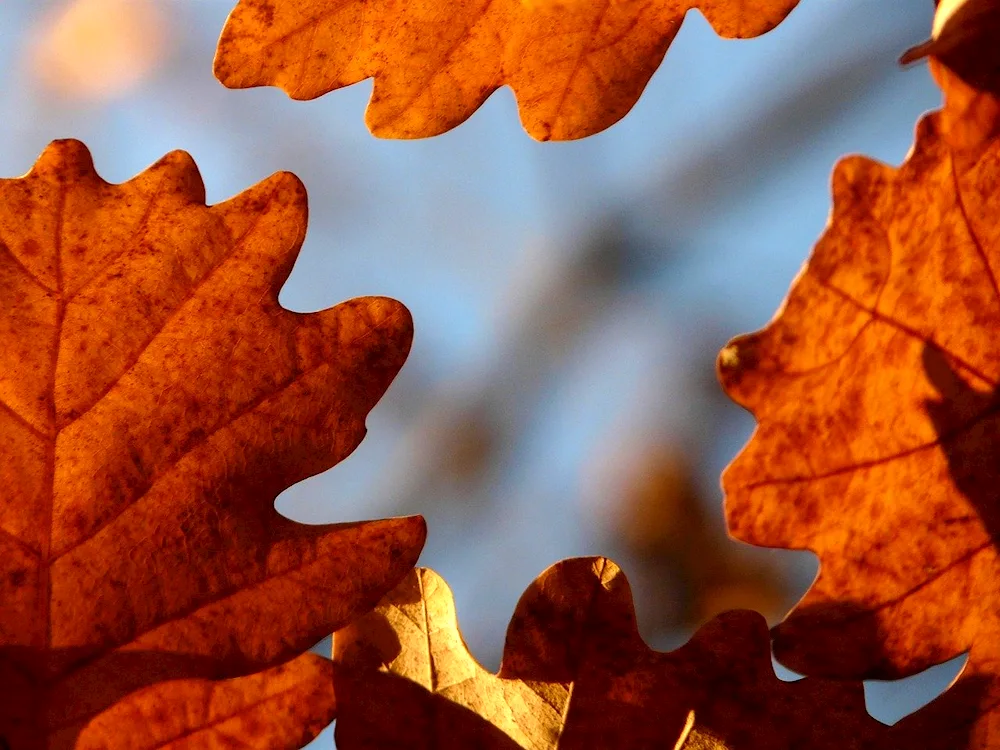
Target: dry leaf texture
<point>576,674</point>
<point>875,389</point>
<point>154,399</point>
<point>283,707</point>
<point>576,67</point>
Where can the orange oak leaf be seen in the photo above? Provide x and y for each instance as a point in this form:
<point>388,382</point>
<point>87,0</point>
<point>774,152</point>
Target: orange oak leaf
<point>281,708</point>
<point>154,400</point>
<point>576,674</point>
<point>875,390</point>
<point>576,66</point>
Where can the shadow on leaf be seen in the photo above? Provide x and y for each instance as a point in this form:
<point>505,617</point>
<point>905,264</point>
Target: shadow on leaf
<point>576,674</point>
<point>969,434</point>
<point>383,710</point>
<point>45,709</point>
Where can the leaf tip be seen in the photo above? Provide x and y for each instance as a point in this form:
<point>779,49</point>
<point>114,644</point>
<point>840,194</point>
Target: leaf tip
<point>405,539</point>
<point>413,532</point>
<point>223,66</point>
<point>740,23</point>
<point>180,171</point>
<point>289,184</point>
<point>65,159</point>
<point>390,318</point>
<point>737,358</point>
<point>407,536</point>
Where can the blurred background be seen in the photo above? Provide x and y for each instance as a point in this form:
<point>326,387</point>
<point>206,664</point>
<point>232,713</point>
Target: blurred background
<point>569,298</point>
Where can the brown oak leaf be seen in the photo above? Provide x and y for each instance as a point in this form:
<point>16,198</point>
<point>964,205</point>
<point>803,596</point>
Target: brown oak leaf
<point>876,394</point>
<point>282,707</point>
<point>576,674</point>
<point>154,400</point>
<point>576,66</point>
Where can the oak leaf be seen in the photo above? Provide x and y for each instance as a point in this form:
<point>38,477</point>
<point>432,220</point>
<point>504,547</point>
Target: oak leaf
<point>154,400</point>
<point>576,66</point>
<point>282,707</point>
<point>876,394</point>
<point>576,674</point>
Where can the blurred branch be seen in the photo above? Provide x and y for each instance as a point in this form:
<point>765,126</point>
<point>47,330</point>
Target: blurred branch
<point>461,437</point>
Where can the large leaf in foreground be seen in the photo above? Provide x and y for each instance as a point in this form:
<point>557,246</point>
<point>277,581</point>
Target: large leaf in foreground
<point>154,399</point>
<point>876,393</point>
<point>282,707</point>
<point>576,674</point>
<point>576,66</point>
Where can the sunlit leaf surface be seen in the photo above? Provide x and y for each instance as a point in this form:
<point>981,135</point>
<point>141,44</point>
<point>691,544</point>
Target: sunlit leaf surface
<point>576,66</point>
<point>875,391</point>
<point>154,399</point>
<point>576,674</point>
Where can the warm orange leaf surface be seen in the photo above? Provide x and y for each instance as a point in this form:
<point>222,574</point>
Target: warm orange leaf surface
<point>875,390</point>
<point>576,674</point>
<point>282,707</point>
<point>154,399</point>
<point>576,66</point>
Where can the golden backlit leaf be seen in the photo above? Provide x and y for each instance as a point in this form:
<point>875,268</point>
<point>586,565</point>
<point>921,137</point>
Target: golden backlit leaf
<point>576,66</point>
<point>876,393</point>
<point>281,708</point>
<point>154,400</point>
<point>576,674</point>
